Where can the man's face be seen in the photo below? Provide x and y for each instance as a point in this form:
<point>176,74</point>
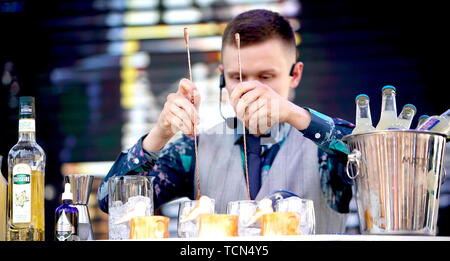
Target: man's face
<point>268,62</point>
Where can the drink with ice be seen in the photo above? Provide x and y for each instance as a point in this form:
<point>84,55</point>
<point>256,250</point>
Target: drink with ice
<point>129,196</point>
<point>245,210</point>
<point>189,212</point>
<point>120,215</point>
<point>304,207</point>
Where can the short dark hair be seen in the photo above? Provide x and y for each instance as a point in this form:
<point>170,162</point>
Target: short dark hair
<point>256,26</point>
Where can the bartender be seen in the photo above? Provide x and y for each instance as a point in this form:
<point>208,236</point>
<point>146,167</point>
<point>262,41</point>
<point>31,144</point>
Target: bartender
<point>289,148</point>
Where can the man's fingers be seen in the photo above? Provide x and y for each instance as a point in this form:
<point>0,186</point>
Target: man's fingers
<point>182,115</point>
<point>239,90</point>
<point>264,122</point>
<point>186,88</point>
<point>261,119</point>
<point>246,100</point>
<point>177,123</point>
<point>197,99</point>
<point>255,106</point>
<point>188,107</point>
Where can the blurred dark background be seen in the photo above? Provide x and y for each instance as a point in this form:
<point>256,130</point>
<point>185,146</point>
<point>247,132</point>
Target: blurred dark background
<point>101,70</point>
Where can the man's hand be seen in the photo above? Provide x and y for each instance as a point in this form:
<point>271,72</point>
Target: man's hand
<point>178,114</point>
<point>260,107</point>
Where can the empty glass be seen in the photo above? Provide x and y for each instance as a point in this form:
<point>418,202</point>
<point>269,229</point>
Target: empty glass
<point>129,196</point>
<point>304,207</point>
<point>188,214</point>
<point>245,210</point>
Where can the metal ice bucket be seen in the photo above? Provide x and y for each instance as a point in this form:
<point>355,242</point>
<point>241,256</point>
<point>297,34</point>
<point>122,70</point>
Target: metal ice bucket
<point>397,176</point>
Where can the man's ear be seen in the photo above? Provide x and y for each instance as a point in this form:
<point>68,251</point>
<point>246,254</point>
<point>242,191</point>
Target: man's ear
<point>221,68</point>
<point>296,74</point>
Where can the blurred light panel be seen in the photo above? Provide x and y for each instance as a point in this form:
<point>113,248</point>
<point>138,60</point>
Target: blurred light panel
<point>141,4</point>
<point>162,31</point>
<point>141,18</point>
<point>114,19</point>
<point>98,168</point>
<point>132,18</point>
<point>121,5</point>
<point>123,47</point>
<point>176,3</point>
<point>204,3</point>
<point>137,60</point>
<point>235,2</point>
<point>187,16</point>
<point>287,8</point>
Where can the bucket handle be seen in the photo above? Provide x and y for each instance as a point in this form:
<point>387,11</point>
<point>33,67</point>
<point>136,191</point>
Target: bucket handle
<point>353,158</point>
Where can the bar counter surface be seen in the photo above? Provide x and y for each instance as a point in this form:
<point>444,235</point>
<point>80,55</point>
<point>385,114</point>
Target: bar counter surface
<point>335,237</point>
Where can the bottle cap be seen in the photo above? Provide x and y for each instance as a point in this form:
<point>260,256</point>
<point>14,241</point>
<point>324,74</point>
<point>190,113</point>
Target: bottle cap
<point>26,107</point>
<point>388,87</point>
<point>410,105</point>
<point>424,116</point>
<point>362,95</point>
<point>67,194</point>
<point>27,99</point>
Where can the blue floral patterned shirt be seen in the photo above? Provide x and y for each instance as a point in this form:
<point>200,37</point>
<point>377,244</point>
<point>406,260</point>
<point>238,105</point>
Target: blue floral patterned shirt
<point>174,167</point>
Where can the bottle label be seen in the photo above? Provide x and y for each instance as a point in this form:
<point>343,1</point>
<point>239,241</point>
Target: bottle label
<point>63,227</point>
<point>21,197</point>
<point>27,125</point>
<point>429,124</point>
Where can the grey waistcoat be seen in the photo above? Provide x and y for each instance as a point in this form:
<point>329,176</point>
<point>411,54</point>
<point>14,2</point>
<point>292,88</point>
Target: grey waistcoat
<point>295,169</point>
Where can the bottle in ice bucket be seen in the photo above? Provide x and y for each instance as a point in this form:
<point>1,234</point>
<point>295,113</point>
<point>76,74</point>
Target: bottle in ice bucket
<point>436,123</point>
<point>405,118</point>
<point>363,118</point>
<point>421,120</point>
<point>388,108</point>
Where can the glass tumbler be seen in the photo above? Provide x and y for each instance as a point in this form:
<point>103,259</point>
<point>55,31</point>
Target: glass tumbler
<point>188,214</point>
<point>304,207</point>
<point>245,210</point>
<point>129,197</point>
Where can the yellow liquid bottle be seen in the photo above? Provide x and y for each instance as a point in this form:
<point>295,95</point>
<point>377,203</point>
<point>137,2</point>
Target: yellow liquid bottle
<point>388,115</point>
<point>405,118</point>
<point>26,168</point>
<point>363,117</point>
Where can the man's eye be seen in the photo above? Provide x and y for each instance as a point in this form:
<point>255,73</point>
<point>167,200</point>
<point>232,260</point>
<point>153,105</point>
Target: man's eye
<point>265,77</point>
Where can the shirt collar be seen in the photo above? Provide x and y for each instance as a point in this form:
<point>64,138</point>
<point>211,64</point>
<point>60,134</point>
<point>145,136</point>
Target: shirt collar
<point>278,133</point>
